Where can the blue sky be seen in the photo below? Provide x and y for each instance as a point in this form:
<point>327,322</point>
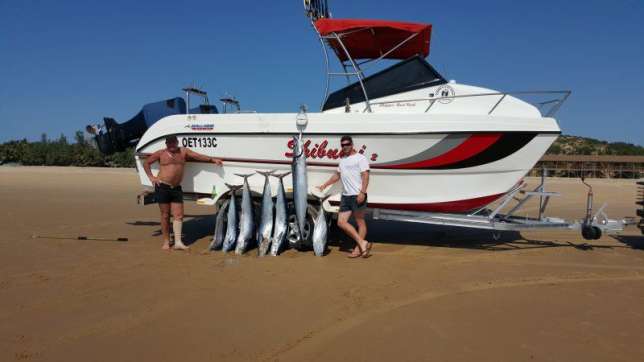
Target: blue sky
<point>64,64</point>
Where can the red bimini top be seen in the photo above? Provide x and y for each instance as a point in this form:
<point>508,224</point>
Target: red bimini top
<point>370,39</point>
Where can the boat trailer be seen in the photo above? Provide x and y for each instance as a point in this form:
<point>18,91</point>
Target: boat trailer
<point>592,226</point>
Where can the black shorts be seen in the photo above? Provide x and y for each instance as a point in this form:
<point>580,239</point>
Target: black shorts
<point>167,194</point>
<point>350,203</point>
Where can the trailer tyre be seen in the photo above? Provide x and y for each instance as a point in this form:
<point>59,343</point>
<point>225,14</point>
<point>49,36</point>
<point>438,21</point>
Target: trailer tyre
<point>587,232</point>
<point>292,236</point>
<point>597,233</point>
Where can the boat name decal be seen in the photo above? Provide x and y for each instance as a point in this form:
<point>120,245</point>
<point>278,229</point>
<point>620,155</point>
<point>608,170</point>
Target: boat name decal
<point>203,142</point>
<point>320,151</point>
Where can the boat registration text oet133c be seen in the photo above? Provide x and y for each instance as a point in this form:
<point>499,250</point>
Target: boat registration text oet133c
<point>203,142</point>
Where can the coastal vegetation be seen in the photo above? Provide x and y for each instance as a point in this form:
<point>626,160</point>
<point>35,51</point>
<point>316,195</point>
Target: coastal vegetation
<point>60,152</point>
<point>573,145</point>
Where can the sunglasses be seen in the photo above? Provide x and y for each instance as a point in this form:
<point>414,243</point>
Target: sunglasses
<point>346,144</point>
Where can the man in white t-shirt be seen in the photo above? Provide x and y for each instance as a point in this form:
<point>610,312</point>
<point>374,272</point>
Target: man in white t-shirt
<point>353,170</point>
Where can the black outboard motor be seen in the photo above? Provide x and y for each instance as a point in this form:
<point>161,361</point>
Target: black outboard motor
<point>115,137</point>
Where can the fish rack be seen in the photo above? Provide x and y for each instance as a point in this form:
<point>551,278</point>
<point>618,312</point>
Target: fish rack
<point>592,226</point>
<point>640,203</point>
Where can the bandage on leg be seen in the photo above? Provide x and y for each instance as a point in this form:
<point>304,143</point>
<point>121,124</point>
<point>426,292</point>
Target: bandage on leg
<point>176,227</point>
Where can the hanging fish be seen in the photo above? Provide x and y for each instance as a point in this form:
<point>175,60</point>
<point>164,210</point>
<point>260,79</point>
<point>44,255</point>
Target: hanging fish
<point>246,221</point>
<point>281,217</point>
<point>231,229</point>
<point>320,231</point>
<point>265,229</point>
<point>300,185</point>
<point>220,231</point>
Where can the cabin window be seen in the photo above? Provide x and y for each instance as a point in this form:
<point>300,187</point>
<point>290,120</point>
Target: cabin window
<point>413,73</point>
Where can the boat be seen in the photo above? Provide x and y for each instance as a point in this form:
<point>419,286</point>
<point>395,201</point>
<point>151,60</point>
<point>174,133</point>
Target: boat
<point>434,145</point>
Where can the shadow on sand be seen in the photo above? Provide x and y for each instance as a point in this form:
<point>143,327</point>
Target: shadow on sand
<point>634,241</point>
<point>196,227</point>
<point>401,233</point>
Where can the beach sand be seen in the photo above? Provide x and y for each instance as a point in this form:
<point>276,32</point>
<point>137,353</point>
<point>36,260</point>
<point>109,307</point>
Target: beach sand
<point>427,293</point>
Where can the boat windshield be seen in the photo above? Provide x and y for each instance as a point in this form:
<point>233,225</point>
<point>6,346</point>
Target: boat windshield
<point>413,73</point>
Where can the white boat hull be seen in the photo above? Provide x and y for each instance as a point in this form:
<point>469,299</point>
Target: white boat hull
<point>446,163</point>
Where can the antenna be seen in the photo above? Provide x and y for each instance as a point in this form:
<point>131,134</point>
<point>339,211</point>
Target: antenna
<point>196,91</point>
<point>316,9</point>
<point>230,100</point>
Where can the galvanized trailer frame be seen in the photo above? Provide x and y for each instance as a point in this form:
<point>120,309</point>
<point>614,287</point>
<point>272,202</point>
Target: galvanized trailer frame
<point>591,227</point>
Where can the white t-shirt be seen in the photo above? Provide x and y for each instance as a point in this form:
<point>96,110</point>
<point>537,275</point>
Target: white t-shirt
<point>350,168</point>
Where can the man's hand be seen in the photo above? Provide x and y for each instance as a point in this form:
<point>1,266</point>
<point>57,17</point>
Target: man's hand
<point>217,161</point>
<point>333,179</point>
<point>155,181</point>
<point>361,197</point>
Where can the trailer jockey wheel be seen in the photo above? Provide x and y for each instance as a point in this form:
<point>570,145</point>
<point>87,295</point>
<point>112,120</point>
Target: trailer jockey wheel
<point>590,232</point>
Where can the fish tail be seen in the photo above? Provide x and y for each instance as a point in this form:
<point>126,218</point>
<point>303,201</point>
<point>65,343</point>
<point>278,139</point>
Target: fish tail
<point>244,175</point>
<point>281,176</point>
<point>266,173</point>
<point>233,187</point>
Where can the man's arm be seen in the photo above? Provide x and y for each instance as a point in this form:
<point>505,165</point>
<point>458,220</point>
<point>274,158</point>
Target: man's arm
<point>203,158</point>
<point>364,175</point>
<point>148,162</point>
<point>365,181</point>
<point>333,179</point>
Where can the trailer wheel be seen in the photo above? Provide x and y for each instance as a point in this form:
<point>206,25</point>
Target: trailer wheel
<point>587,232</point>
<point>292,236</point>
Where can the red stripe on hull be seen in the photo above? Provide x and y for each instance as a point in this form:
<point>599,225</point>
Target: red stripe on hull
<point>474,145</point>
<point>448,207</point>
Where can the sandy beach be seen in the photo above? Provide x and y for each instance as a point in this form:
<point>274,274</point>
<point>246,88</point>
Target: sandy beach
<point>430,294</point>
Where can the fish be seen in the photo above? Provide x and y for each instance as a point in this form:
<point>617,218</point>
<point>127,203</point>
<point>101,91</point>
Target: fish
<point>320,230</point>
<point>300,186</point>
<point>247,220</point>
<point>220,232</point>
<point>231,229</point>
<point>280,226</point>
<point>265,229</point>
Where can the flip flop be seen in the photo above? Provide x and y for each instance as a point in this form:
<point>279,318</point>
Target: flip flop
<point>367,252</point>
<point>354,256</point>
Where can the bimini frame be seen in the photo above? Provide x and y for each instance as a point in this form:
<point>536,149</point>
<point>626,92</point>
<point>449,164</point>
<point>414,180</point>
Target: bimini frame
<point>318,9</point>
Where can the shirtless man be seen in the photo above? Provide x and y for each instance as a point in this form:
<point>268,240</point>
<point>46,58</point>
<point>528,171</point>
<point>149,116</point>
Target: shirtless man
<point>167,185</point>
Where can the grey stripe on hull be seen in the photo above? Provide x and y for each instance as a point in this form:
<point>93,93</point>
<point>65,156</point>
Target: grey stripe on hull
<point>443,146</point>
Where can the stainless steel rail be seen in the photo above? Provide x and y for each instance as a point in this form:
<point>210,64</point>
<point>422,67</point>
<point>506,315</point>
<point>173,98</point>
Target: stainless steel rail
<point>556,103</point>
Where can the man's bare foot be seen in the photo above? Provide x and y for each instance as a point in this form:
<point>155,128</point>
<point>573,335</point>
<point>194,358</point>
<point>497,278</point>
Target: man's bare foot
<point>166,245</point>
<point>180,246</point>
